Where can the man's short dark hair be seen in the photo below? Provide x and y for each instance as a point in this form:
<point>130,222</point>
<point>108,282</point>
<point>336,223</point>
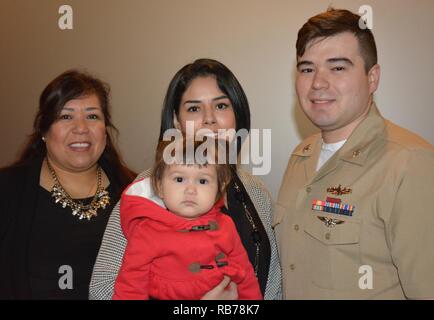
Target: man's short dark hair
<point>333,22</point>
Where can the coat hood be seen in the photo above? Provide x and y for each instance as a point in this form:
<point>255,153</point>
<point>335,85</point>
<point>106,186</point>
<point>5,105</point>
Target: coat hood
<point>140,202</point>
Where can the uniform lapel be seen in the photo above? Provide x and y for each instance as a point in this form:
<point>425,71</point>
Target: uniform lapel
<point>308,153</point>
<point>356,149</point>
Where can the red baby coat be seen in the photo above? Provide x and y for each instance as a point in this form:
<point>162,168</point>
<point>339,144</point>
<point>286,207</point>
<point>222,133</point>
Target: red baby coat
<point>170,257</point>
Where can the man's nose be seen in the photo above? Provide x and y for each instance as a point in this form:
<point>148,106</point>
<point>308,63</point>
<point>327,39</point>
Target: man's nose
<point>320,80</point>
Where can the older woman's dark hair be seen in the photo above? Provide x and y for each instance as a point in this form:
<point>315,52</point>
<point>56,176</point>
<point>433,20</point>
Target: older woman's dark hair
<point>226,81</point>
<point>71,85</point>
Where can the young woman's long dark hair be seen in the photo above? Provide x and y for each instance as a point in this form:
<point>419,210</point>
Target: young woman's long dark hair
<point>71,85</point>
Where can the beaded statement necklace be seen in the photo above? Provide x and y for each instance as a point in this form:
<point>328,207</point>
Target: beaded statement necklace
<point>100,200</point>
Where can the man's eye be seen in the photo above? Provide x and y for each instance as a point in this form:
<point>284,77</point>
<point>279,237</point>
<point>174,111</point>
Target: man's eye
<point>65,117</point>
<point>179,179</point>
<point>306,70</point>
<point>203,181</point>
<point>193,109</point>
<point>338,68</point>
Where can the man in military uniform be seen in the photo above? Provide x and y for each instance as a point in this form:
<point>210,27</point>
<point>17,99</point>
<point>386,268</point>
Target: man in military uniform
<point>354,217</point>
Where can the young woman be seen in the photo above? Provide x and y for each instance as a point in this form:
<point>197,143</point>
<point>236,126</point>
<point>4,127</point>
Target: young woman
<point>207,94</point>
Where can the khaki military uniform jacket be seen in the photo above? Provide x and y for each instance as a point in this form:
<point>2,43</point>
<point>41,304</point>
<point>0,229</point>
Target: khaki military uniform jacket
<point>362,227</point>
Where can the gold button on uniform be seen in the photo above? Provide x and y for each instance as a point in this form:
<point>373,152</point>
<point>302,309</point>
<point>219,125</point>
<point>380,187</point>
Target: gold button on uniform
<point>328,235</point>
<point>308,189</point>
<point>296,227</point>
<point>292,267</point>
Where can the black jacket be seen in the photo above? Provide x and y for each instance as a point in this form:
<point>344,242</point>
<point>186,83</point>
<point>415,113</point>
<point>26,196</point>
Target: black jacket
<point>19,196</point>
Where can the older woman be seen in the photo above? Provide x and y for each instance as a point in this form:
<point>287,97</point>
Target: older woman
<point>57,197</point>
<point>207,94</point>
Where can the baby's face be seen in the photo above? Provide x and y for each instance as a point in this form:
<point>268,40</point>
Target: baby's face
<point>189,191</point>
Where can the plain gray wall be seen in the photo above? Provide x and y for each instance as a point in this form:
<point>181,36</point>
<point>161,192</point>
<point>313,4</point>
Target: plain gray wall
<point>138,45</point>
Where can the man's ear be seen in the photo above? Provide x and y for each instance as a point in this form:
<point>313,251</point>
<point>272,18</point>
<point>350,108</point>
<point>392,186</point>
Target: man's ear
<point>374,78</point>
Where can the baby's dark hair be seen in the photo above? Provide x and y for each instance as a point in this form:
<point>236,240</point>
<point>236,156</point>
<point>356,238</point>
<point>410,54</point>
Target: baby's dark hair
<point>224,174</point>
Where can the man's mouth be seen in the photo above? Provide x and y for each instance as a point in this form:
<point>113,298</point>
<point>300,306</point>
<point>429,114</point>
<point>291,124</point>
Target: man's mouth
<point>322,102</point>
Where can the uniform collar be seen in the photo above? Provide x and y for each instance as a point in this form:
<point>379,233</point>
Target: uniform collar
<point>308,147</point>
<point>361,140</point>
<point>358,143</point>
<point>355,150</point>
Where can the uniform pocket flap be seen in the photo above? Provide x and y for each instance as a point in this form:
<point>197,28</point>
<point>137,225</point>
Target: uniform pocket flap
<point>332,230</point>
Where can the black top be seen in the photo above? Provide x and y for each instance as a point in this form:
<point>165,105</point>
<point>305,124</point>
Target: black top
<point>62,245</point>
<point>237,197</point>
<point>20,208</point>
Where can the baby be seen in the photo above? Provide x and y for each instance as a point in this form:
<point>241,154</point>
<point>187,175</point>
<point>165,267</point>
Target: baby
<point>180,244</point>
